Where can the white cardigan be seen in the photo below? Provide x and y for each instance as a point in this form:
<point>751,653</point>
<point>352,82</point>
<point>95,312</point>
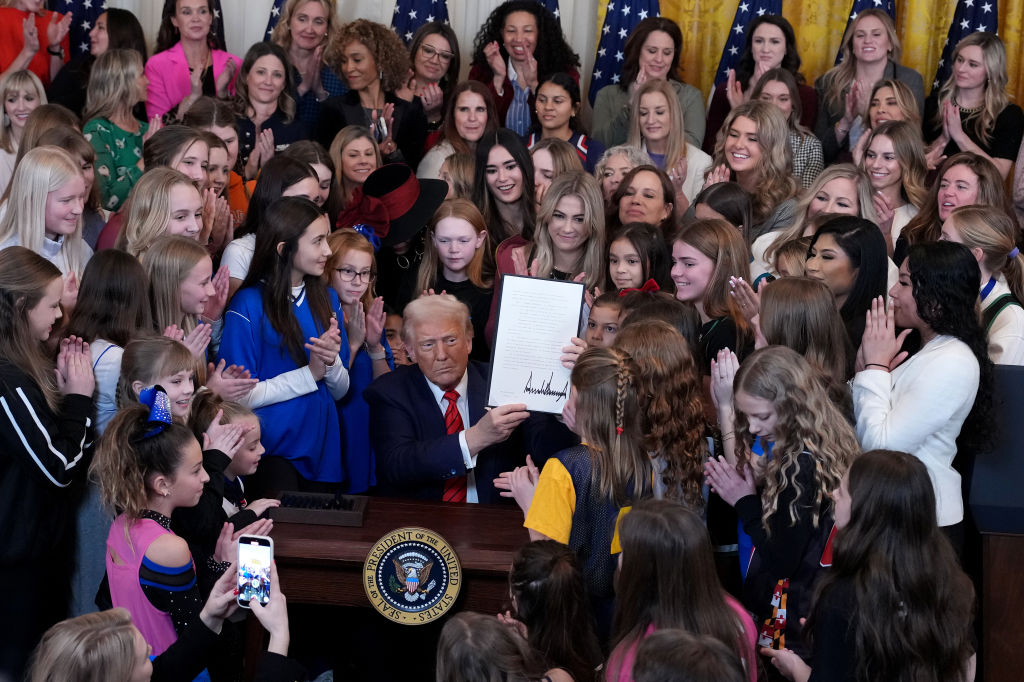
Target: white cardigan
<point>919,408</point>
<point>1006,335</point>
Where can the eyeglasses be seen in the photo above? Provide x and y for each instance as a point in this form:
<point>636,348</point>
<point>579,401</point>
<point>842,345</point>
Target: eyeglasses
<point>431,52</point>
<point>349,275</point>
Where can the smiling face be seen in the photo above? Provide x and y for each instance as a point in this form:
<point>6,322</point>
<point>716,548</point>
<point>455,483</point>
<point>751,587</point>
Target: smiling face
<point>644,200</point>
<point>185,216</point>
<point>742,150</point>
<point>193,19</point>
<point>826,261</point>
<point>180,388</point>
<point>655,121</point>
<point>657,55</point>
<point>777,93</point>
<point>881,163</point>
<point>870,40</point>
<point>196,289</point>
<point>308,25</point>
<point>64,208</point>
<point>691,272</point>
<point>625,266</point>
<point>838,195</point>
<point>519,35</point>
<point>567,228</point>
<point>433,58</point>
<point>186,486</point>
<point>246,460</point>
<point>554,106</point>
<point>193,161</point>
<point>308,188</point>
<point>456,242</point>
<point>265,80</point>
<point>958,187</point>
<point>359,266</point>
<point>768,46</point>
<point>615,168</point>
<point>470,116</point>
<point>218,169</point>
<point>504,176</point>
<point>323,174</point>
<point>969,68</point>
<point>602,326</point>
<point>44,314</point>
<point>358,160</point>
<point>358,66</point>
<point>311,251</point>
<point>884,107</point>
<point>99,39</point>
<point>18,105</point>
<point>761,415</point>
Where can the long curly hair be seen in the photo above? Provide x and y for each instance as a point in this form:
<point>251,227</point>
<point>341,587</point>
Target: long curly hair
<point>995,100</point>
<point>674,426</point>
<point>808,421</point>
<point>838,79</point>
<point>913,605</point>
<point>926,226</point>
<point>775,182</point>
<point>790,61</point>
<point>945,278</point>
<point>635,42</point>
<point>388,50</point>
<point>552,52</point>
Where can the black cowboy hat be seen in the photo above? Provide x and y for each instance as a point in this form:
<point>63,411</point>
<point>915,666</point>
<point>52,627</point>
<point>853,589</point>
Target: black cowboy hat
<point>394,203</point>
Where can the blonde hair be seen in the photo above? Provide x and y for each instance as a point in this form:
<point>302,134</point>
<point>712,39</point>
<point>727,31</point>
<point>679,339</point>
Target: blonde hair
<point>776,182</point>
<point>341,242</point>
<point>15,82</point>
<point>148,209</point>
<point>465,210</point>
<point>845,171</point>
<point>168,262</point>
<point>583,186</point>
<point>676,143</point>
<point>988,228</point>
<point>724,245</point>
<point>282,33</point>
<point>112,84</point>
<point>904,97</point>
<point>807,421</point>
<point>148,359</point>
<point>837,80</point>
<point>994,55</point>
<point>461,167</point>
<point>93,647</point>
<point>791,257</point>
<point>563,155</point>
<point>42,170</point>
<point>344,138</point>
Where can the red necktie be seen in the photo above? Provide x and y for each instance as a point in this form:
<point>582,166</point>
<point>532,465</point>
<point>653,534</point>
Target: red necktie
<point>454,487</point>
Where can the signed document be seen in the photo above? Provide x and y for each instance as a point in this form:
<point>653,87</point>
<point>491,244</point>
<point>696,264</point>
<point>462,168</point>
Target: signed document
<point>536,319</point>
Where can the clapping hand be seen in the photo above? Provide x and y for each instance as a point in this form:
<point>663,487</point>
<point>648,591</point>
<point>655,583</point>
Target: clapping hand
<point>726,482</point>
<point>74,368</point>
<point>880,346</point>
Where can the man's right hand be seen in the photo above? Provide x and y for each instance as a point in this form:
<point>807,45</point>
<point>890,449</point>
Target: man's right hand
<point>497,424</point>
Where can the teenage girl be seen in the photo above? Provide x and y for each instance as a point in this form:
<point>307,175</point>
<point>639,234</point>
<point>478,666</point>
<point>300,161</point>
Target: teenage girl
<point>166,202</point>
<point>582,490</point>
<point>705,255</point>
<point>550,609</point>
<point>667,579</point>
<point>551,157</point>
<point>779,398</point>
<point>218,117</point>
<point>71,140</point>
<point>991,235</point>
<point>45,441</point>
<point>147,465</point>
<point>636,255</point>
<point>351,271</point>
<point>286,326</point>
<point>453,257</point>
<point>895,604</point>
<point>729,201</point>
<point>603,320</point>
<point>320,161</point>
<point>48,176</point>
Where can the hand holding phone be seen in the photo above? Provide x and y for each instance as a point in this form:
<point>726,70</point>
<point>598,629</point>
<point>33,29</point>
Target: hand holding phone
<point>255,556</point>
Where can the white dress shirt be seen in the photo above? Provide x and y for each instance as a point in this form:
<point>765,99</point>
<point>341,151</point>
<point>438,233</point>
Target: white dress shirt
<point>463,406</point>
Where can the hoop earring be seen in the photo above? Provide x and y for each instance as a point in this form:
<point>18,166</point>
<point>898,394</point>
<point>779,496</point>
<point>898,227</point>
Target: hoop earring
<point>380,74</point>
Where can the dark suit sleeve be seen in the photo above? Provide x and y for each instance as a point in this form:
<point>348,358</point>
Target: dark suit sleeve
<point>407,458</point>
<point>332,120</point>
<point>411,133</point>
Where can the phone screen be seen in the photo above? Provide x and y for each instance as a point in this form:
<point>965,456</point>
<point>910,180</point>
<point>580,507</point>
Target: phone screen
<point>255,553</point>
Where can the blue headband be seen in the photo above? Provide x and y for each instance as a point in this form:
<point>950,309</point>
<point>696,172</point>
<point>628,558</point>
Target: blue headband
<point>159,406</point>
<point>369,233</point>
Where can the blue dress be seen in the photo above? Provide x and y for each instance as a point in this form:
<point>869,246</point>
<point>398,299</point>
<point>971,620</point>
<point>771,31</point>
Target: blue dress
<point>354,411</point>
<point>304,429</point>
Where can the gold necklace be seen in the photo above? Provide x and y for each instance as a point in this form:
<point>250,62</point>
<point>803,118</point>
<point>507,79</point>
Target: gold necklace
<point>969,110</point>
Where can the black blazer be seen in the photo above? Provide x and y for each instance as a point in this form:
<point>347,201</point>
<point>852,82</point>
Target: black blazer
<point>415,455</point>
<point>410,124</point>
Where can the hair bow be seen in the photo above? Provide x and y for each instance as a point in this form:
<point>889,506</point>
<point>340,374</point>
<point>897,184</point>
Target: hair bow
<point>370,235</point>
<point>366,210</point>
<point>650,286</point>
<point>159,406</point>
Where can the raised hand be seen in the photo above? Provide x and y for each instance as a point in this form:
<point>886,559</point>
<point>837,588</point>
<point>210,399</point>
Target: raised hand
<point>197,340</point>
<point>734,90</point>
<point>723,374</point>
<point>224,437</point>
<point>69,291</point>
<point>724,480</point>
<point>221,281</point>
<point>880,346</point>
<point>375,319</point>
<point>74,368</point>
<point>230,383</point>
<point>223,81</point>
<point>748,300</point>
<point>492,53</point>
<point>30,35</point>
<point>432,97</point>
<point>718,174</point>
<point>57,29</point>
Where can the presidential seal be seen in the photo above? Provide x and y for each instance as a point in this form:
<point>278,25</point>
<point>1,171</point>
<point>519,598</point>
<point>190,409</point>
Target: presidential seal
<point>412,576</point>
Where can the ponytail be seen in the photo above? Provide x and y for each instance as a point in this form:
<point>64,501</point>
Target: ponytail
<point>995,233</point>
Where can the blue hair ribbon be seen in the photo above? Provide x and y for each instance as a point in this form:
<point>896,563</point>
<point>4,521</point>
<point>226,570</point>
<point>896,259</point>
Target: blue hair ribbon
<point>159,406</point>
<point>369,233</point>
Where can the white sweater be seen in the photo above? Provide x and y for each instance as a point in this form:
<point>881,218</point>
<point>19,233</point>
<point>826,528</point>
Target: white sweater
<point>919,408</point>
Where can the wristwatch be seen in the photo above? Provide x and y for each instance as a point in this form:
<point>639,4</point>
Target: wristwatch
<point>59,52</point>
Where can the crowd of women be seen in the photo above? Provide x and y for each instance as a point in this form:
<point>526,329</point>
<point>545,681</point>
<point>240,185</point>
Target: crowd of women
<point>795,300</point>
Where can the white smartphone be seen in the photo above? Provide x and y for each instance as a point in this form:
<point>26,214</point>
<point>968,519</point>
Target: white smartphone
<point>255,554</point>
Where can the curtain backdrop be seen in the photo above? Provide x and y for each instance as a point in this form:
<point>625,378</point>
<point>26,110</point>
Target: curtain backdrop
<point>922,26</point>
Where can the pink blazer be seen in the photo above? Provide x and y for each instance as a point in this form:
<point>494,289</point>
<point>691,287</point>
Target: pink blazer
<point>168,77</point>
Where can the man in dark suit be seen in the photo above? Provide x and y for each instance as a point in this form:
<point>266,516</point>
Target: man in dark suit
<point>432,437</point>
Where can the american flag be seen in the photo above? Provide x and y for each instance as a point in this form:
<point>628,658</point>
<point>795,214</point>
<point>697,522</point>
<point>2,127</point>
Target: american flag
<point>217,30</point>
<point>552,6</point>
<point>970,17</point>
<point>411,14</point>
<point>746,12</point>
<point>621,17</point>
<point>84,14</point>
<point>887,6</point>
<point>275,16</point>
